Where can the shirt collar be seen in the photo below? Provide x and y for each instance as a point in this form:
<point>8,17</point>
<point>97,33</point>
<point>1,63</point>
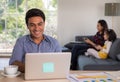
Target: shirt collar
<point>45,38</point>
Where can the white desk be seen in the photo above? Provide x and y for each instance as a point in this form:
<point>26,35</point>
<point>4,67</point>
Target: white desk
<point>20,78</point>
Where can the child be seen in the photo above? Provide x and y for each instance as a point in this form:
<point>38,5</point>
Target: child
<point>101,52</point>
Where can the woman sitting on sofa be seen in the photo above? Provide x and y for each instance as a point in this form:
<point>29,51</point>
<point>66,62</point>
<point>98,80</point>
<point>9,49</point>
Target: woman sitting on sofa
<point>97,39</point>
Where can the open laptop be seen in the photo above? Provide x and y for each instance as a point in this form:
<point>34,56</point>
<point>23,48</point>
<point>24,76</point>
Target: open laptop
<point>47,65</point>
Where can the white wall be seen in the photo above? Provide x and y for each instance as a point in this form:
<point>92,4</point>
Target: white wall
<point>79,17</point>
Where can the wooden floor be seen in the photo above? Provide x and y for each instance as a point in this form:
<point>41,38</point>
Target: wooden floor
<point>3,62</point>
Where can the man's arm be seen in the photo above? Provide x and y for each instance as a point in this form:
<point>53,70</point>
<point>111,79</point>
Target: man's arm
<point>58,47</point>
<point>21,66</point>
<point>17,56</point>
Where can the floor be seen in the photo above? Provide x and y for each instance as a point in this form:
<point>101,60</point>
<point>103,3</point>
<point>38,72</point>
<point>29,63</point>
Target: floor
<point>3,62</point>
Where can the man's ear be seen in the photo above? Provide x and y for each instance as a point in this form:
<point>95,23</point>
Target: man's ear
<point>27,26</point>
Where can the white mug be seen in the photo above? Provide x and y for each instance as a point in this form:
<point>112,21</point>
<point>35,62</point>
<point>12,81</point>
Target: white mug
<point>11,69</point>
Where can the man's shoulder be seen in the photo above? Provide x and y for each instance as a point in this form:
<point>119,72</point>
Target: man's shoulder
<point>49,38</point>
<point>54,43</point>
<point>23,38</point>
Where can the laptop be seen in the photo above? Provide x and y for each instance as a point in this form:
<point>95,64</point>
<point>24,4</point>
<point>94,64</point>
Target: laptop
<point>47,65</point>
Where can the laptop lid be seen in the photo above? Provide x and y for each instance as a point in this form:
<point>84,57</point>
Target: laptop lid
<point>47,65</point>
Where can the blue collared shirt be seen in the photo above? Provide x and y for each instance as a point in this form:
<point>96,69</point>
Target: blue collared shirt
<point>25,45</point>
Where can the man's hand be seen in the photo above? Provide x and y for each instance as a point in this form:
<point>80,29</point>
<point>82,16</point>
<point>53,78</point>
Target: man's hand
<point>21,66</point>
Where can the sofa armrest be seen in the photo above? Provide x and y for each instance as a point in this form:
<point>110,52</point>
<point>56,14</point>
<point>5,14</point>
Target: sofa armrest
<point>80,38</point>
<point>76,42</point>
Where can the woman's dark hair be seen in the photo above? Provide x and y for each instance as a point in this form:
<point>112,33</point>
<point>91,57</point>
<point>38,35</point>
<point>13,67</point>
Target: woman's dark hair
<point>103,23</point>
<point>34,12</point>
<point>112,35</point>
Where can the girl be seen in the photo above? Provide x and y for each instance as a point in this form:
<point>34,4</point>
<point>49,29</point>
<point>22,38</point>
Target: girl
<point>101,52</point>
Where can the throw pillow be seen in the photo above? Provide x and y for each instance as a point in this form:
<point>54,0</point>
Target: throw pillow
<point>118,56</point>
<point>115,49</point>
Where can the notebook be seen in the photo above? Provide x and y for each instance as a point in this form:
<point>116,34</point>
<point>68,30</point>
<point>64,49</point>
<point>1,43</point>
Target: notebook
<point>47,65</point>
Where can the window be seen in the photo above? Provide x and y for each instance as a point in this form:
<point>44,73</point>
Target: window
<point>12,20</point>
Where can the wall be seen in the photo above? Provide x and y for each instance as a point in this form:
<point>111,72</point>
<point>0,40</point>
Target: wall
<point>79,17</point>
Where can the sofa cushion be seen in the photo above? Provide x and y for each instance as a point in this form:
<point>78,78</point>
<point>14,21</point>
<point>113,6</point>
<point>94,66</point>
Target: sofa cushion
<point>76,42</point>
<point>103,67</point>
<point>80,38</point>
<point>115,49</point>
<point>84,61</point>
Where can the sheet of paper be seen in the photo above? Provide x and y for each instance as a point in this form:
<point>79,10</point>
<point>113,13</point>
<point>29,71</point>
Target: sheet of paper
<point>91,77</point>
<point>114,74</point>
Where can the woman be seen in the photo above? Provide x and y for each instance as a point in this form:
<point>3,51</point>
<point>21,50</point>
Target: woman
<point>97,39</point>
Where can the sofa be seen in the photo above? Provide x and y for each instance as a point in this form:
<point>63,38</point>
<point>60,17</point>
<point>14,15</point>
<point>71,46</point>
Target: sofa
<point>92,63</point>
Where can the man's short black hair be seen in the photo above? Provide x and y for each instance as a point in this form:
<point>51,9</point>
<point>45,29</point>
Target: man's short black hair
<point>34,12</point>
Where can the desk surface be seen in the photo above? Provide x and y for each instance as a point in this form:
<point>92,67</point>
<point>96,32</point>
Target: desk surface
<point>20,78</point>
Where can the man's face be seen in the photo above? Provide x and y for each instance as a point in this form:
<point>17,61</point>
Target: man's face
<point>36,27</point>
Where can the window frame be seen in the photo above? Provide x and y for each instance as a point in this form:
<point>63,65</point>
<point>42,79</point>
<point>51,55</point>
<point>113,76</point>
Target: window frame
<point>8,53</point>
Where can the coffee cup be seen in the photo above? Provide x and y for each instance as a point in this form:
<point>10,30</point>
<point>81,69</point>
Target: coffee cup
<point>11,69</point>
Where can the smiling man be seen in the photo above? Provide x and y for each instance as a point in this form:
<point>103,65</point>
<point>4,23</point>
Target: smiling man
<point>35,42</point>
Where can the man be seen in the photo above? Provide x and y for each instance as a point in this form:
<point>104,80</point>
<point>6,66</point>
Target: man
<point>35,42</point>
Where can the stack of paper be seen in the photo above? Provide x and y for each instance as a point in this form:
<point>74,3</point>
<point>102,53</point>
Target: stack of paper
<point>114,74</point>
<point>91,77</point>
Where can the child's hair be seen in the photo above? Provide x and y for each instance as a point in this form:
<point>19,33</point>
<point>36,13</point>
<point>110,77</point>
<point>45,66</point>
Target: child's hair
<point>112,35</point>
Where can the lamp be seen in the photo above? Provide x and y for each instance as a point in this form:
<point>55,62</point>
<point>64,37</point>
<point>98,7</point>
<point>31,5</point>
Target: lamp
<point>112,9</point>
